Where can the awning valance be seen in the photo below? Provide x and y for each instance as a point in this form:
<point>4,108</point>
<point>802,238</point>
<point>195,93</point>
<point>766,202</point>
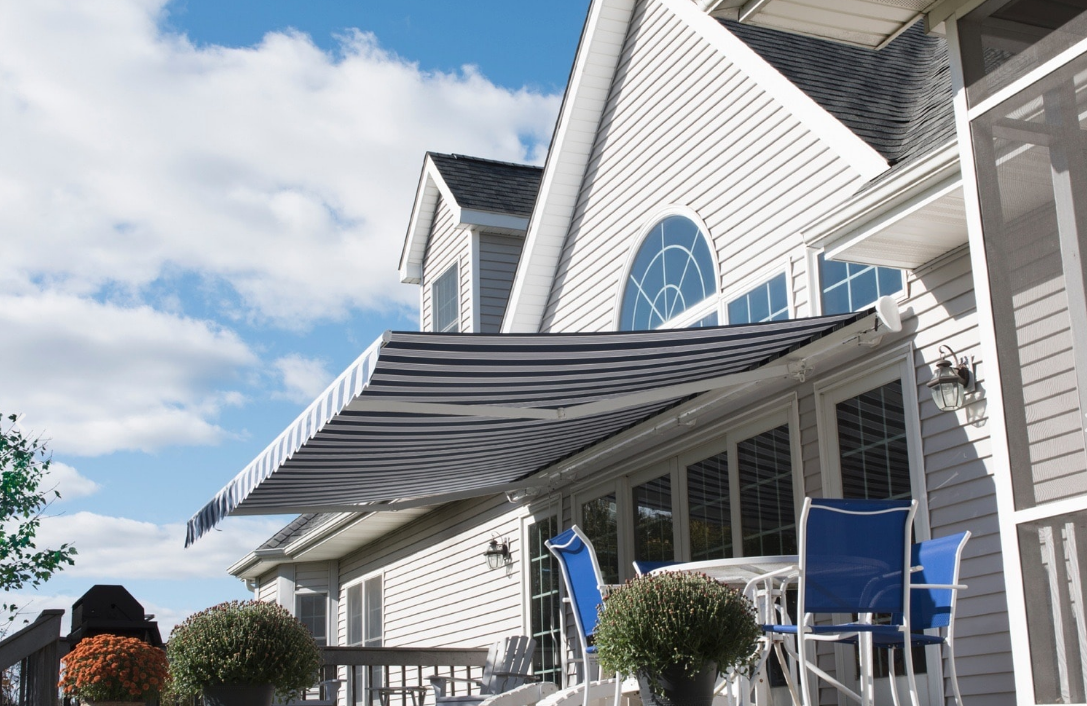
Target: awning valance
<point>431,417</point>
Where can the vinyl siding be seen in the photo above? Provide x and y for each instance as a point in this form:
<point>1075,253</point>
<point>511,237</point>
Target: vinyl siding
<point>498,257</point>
<point>447,245</point>
<point>266,590</point>
<point>438,589</point>
<point>684,126</point>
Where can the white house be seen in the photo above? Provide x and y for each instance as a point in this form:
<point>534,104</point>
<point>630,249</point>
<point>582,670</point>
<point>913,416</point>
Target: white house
<point>726,163</point>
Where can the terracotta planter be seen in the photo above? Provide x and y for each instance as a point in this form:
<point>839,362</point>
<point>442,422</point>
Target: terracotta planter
<point>679,689</point>
<point>239,695</point>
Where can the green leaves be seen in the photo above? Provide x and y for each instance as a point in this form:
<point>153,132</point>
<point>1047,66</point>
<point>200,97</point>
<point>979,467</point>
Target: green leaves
<point>23,463</point>
<point>242,643</point>
<point>672,618</point>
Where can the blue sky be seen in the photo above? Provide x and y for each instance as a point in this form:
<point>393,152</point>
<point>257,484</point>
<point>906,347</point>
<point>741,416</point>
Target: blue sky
<point>202,206</point>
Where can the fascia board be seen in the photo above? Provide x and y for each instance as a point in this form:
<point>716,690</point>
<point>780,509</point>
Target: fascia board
<point>431,186</point>
<point>583,105</point>
<point>912,186</point>
<point>490,219</point>
<point>856,152</point>
<point>257,563</point>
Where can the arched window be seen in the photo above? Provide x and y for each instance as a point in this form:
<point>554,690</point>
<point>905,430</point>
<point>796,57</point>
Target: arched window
<point>672,272</point>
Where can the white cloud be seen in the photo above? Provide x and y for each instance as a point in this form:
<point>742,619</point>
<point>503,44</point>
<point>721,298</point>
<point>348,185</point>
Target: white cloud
<point>69,482</point>
<point>94,378</point>
<point>303,378</point>
<point>280,169</point>
<point>116,549</point>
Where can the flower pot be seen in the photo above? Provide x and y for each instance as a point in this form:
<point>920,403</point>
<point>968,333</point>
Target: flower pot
<point>239,695</point>
<point>677,689</point>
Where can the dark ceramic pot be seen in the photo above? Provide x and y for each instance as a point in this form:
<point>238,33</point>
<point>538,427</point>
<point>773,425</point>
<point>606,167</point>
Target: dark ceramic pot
<point>239,695</point>
<point>677,689</point>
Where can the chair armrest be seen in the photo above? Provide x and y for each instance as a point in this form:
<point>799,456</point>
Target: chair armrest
<point>523,675</point>
<point>435,678</point>
<point>950,586</point>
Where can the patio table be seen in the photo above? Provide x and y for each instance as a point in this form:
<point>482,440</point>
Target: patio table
<point>761,579</point>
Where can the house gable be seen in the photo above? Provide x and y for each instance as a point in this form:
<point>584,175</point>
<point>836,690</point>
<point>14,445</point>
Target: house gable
<point>690,39</point>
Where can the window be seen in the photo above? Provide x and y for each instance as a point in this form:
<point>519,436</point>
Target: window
<point>445,301</point>
<point>311,609</point>
<point>544,602</point>
<point>672,272</point>
<point>653,538</point>
<point>600,522</point>
<point>872,448</point>
<point>766,302</point>
<point>847,286</point>
<point>364,627</point>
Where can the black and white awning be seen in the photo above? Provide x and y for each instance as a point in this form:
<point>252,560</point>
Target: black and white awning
<point>429,417</point>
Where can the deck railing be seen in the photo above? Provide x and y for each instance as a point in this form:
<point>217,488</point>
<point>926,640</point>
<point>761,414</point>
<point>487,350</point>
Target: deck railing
<point>399,670</point>
<point>37,650</point>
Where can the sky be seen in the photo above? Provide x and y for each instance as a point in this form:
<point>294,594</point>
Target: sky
<point>202,206</point>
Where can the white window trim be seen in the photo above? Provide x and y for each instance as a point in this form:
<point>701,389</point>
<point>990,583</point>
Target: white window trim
<point>543,511</point>
<point>706,305</point>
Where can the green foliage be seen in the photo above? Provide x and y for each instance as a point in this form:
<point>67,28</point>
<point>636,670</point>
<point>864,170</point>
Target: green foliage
<point>242,643</point>
<point>23,463</point>
<point>673,618</point>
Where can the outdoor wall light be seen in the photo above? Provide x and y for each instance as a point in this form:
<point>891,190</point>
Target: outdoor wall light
<point>949,383</point>
<point>497,553</point>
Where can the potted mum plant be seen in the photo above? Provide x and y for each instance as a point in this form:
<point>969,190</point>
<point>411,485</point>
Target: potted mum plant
<point>108,669</point>
<point>676,631</point>
<point>242,654</point>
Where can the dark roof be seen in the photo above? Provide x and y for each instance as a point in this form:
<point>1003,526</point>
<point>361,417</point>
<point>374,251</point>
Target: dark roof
<point>487,185</point>
<point>897,99</point>
<point>298,527</point>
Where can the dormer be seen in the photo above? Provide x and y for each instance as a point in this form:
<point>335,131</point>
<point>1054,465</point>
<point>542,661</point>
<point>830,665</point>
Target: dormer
<point>465,238</point>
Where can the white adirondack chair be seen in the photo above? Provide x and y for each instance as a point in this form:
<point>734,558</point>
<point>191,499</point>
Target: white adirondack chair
<point>507,667</point>
<point>524,695</point>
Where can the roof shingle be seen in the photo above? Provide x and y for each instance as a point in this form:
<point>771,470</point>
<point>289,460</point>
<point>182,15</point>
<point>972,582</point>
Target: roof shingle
<point>488,185</point>
<point>897,99</point>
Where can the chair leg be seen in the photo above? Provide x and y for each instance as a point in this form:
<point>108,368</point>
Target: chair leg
<point>802,661</point>
<point>891,674</point>
<point>907,654</point>
<point>951,669</point>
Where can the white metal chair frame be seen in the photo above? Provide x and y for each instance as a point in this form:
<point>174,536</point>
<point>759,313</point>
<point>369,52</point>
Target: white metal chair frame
<point>588,658</point>
<point>805,630</point>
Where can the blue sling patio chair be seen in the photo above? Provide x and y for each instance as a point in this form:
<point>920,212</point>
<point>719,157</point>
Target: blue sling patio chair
<point>854,560</point>
<point>934,588</point>
<point>584,591</point>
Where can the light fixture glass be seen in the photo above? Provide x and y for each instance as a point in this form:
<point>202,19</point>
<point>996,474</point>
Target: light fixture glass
<point>949,383</point>
<point>497,553</point>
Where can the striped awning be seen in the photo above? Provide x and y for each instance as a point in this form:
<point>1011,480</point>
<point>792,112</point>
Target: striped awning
<point>428,417</point>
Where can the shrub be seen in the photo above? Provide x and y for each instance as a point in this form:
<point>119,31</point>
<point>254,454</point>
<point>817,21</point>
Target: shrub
<point>675,619</point>
<point>242,643</point>
<point>113,668</point>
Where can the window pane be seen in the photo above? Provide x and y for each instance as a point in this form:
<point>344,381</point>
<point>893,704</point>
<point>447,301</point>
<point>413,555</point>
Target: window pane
<point>653,538</point>
<point>601,526</point>
<point>707,320</point>
<point>354,614</point>
<point>852,286</point>
<point>672,272</point>
<point>445,301</point>
<point>767,519</point>
<point>766,302</point>
<point>708,507</point>
<point>311,612</point>
<point>779,300</point>
<point>373,623</point>
<point>544,602</point>
<point>872,443</point>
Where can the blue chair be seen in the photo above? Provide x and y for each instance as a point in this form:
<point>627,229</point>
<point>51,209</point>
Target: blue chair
<point>854,559</point>
<point>934,588</point>
<point>644,567</point>
<point>584,590</point>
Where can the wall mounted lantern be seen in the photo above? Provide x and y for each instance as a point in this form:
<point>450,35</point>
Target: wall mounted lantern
<point>497,553</point>
<point>949,383</point>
